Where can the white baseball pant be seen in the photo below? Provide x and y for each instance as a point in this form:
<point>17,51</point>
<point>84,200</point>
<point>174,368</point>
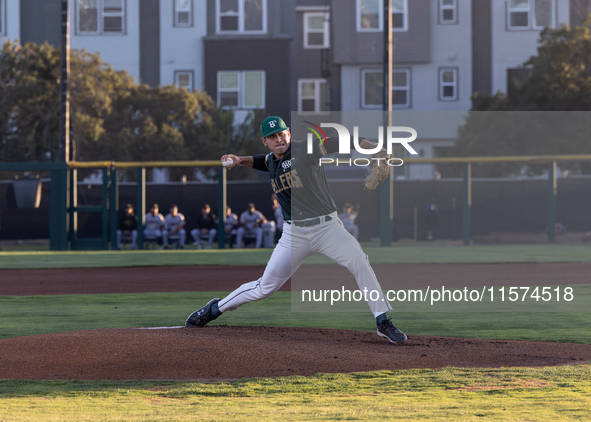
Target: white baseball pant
<point>197,235</point>
<point>257,231</point>
<point>181,235</point>
<point>298,243</point>
<point>132,237</point>
<point>353,229</point>
<point>152,234</point>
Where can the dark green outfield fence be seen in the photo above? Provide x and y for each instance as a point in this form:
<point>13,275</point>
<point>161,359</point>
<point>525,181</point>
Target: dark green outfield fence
<point>58,176</point>
<point>86,217</point>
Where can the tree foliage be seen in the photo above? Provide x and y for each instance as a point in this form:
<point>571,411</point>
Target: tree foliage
<point>561,72</point>
<point>29,102</point>
<point>548,116</point>
<point>112,117</point>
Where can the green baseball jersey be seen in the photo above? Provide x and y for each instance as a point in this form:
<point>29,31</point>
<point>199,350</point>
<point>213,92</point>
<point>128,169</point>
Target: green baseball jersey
<point>299,181</point>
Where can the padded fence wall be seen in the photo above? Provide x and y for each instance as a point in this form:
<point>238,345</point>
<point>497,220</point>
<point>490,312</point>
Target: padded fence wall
<point>499,205</point>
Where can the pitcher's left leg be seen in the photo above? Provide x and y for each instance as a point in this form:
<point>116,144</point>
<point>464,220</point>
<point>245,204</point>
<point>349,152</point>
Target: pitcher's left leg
<point>335,242</point>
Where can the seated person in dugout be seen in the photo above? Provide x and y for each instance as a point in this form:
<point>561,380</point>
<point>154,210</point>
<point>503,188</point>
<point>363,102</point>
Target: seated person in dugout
<point>154,223</point>
<point>348,217</point>
<point>278,215</point>
<point>431,218</point>
<point>250,225</point>
<point>174,224</point>
<point>206,227</point>
<point>127,227</point>
<point>231,225</point>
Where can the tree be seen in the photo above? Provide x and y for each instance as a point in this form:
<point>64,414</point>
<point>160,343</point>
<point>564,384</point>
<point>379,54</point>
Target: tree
<point>549,116</point>
<point>29,102</point>
<point>226,136</point>
<point>149,124</point>
<point>561,72</point>
<point>112,117</point>
<point>95,89</point>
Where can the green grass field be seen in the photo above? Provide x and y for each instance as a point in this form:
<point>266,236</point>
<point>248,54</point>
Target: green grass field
<point>20,315</point>
<point>556,393</point>
<point>512,394</point>
<point>400,253</point>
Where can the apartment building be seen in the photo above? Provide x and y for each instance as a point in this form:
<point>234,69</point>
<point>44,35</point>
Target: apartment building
<point>10,27</point>
<point>248,61</point>
<point>156,41</point>
<point>443,52</point>
<point>311,55</point>
<point>247,54</point>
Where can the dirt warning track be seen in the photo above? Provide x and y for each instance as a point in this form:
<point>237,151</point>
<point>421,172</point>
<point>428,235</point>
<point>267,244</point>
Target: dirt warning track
<point>226,278</point>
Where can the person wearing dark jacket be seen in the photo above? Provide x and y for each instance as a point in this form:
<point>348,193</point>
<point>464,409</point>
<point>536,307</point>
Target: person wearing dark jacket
<point>127,227</point>
<point>206,227</point>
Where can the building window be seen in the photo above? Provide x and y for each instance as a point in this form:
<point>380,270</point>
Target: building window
<point>241,16</point>
<point>448,11</point>
<point>184,79</point>
<point>183,12</point>
<point>400,15</point>
<point>101,16</point>
<point>241,89</point>
<point>401,88</point>
<point>229,89</point>
<point>254,89</point>
<point>370,15</point>
<point>530,14</point>
<point>316,30</point>
<point>313,95</point>
<point>448,84</point>
<point>372,88</point>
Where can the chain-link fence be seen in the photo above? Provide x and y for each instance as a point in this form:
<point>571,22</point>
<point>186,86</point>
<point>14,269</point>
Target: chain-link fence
<point>190,188</point>
<point>503,210</point>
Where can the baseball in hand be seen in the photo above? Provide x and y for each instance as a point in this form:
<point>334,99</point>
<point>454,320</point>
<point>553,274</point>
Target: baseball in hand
<point>228,162</point>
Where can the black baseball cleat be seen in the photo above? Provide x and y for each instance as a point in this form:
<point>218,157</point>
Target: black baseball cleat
<point>388,330</point>
<point>201,317</point>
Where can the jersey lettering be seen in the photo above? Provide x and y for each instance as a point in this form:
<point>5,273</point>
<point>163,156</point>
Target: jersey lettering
<point>296,180</point>
<point>282,180</point>
<point>274,186</point>
<point>289,180</point>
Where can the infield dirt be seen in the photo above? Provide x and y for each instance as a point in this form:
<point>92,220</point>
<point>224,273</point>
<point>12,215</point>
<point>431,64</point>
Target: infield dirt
<point>222,352</point>
<point>228,278</point>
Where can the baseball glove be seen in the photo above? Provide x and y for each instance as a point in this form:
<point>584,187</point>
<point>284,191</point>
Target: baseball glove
<point>378,170</point>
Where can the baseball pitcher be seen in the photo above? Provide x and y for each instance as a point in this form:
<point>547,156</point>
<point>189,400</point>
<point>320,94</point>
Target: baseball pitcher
<point>311,226</point>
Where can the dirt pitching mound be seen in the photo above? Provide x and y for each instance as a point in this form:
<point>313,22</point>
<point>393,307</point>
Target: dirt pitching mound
<point>228,353</point>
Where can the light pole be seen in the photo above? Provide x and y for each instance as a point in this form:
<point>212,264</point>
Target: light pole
<point>61,216</point>
<point>386,189</point>
<point>388,61</point>
<point>64,146</point>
